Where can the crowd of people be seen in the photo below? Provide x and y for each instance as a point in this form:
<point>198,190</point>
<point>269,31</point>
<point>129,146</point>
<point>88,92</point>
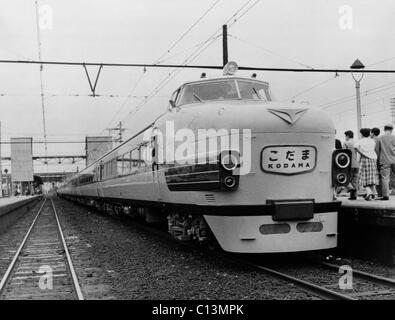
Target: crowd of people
<point>373,160</point>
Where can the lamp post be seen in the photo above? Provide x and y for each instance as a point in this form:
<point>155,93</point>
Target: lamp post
<point>358,65</point>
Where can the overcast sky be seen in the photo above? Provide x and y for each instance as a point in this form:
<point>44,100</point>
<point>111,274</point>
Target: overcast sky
<point>285,33</point>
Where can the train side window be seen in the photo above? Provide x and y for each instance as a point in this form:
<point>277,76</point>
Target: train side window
<point>107,170</point>
<point>114,171</point>
<point>140,162</point>
<point>146,155</point>
<point>135,158</point>
<point>120,165</point>
<point>143,151</point>
<point>128,162</point>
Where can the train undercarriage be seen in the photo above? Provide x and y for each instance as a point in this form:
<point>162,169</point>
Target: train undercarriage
<point>181,226</point>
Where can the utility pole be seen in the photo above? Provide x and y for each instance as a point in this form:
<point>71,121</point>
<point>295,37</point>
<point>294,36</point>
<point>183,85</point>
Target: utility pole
<point>225,44</point>
<point>120,131</point>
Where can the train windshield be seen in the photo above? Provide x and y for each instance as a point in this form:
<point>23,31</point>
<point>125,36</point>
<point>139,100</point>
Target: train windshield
<point>230,89</point>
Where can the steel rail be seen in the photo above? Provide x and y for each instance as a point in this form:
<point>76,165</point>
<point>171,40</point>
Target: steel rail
<point>14,260</point>
<point>71,267</point>
<point>311,287</point>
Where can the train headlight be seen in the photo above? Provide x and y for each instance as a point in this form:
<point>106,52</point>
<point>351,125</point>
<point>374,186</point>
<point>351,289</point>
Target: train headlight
<point>230,68</point>
<point>341,178</point>
<point>341,167</point>
<point>342,160</point>
<point>229,162</point>
<point>229,181</point>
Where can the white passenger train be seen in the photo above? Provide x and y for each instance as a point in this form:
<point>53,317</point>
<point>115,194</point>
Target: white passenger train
<point>227,164</point>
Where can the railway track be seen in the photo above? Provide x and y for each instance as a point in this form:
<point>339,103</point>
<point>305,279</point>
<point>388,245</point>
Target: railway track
<point>380,286</point>
<point>325,285</point>
<point>41,267</point>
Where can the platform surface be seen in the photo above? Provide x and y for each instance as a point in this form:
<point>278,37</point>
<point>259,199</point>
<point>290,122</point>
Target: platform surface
<point>9,204</point>
<point>10,200</point>
<point>373,204</point>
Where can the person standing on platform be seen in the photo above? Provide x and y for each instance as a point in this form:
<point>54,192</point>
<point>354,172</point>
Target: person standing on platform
<point>385,149</point>
<point>368,174</point>
<point>349,144</point>
<point>374,134</point>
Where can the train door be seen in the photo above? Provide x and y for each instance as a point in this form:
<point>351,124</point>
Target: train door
<point>155,166</point>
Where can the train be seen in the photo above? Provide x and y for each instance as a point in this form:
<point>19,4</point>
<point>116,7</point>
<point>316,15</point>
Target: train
<point>226,165</point>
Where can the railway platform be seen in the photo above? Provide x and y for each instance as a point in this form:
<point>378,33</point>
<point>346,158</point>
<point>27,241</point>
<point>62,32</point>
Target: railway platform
<point>14,207</point>
<point>367,229</point>
<point>10,204</point>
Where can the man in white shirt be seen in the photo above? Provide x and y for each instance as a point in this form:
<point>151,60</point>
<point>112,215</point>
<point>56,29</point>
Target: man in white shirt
<point>349,144</point>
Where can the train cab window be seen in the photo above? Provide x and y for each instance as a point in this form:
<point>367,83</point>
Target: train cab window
<point>174,96</point>
<point>209,91</point>
<point>251,90</point>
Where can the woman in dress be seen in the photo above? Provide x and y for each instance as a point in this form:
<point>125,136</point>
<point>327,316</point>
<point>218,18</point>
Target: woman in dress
<point>368,174</point>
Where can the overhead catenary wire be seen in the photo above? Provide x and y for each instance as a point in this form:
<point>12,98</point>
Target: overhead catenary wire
<point>347,110</point>
<point>41,77</point>
<point>161,59</point>
<point>186,65</point>
<point>186,32</point>
<point>269,51</point>
<point>53,95</point>
<point>335,77</point>
<point>367,92</point>
<point>195,54</point>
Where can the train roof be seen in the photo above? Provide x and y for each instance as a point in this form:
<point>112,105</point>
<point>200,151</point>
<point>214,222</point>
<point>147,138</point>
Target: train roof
<point>224,78</point>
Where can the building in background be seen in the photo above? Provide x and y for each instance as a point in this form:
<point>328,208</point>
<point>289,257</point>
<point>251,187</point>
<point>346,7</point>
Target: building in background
<point>22,166</point>
<point>95,147</point>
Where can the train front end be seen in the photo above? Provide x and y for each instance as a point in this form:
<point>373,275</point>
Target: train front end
<point>275,188</point>
<point>284,199</point>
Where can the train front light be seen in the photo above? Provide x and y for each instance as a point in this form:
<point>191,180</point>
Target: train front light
<point>229,182</point>
<point>341,178</point>
<point>229,163</point>
<point>341,167</point>
<point>342,160</point>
